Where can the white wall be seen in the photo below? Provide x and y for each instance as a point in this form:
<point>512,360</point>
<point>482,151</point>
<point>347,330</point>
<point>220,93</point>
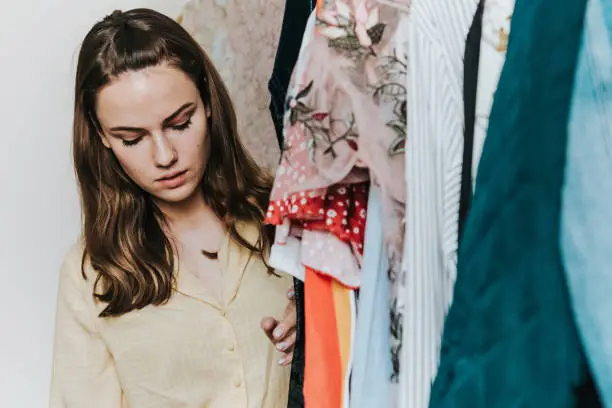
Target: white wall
<point>39,212</point>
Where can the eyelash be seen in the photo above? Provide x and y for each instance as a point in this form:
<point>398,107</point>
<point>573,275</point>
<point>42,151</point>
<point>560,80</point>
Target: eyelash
<point>131,142</point>
<point>182,126</point>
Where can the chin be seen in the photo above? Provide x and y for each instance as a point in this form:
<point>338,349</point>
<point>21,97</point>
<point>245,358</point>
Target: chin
<point>176,195</point>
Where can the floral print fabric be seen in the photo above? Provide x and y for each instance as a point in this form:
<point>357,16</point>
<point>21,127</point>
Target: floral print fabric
<point>345,124</point>
<point>346,107</point>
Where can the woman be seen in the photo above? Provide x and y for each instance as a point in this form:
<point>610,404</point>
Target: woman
<point>159,305</point>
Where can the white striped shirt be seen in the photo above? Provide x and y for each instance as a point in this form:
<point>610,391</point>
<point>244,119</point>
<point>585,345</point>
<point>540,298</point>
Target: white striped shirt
<point>434,149</point>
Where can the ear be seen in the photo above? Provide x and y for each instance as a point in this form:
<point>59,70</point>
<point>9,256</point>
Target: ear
<point>208,112</point>
<point>100,132</point>
<point>104,139</point>
<point>105,142</point>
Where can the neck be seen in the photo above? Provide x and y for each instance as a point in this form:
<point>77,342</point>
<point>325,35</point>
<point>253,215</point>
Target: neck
<point>188,215</point>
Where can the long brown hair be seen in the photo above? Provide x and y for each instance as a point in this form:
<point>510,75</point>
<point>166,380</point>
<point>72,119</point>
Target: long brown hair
<point>123,229</point>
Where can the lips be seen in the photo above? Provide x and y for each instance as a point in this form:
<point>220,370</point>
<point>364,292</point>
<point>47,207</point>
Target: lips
<point>173,180</point>
<point>172,176</point>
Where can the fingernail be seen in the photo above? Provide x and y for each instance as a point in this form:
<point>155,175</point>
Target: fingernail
<point>281,346</point>
<point>282,361</point>
<point>291,294</point>
<point>278,332</point>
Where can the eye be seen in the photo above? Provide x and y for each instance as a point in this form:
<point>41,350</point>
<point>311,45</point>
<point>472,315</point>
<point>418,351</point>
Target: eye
<point>182,126</point>
<point>131,142</point>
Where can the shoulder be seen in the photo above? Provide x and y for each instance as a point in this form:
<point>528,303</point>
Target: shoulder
<point>71,270</point>
<point>75,292</point>
<point>73,258</point>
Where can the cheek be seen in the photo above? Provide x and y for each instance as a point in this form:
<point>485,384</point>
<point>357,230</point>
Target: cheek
<point>133,160</point>
<point>195,146</point>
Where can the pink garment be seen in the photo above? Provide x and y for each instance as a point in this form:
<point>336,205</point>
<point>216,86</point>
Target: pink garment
<point>347,107</point>
<point>345,123</point>
<point>331,224</point>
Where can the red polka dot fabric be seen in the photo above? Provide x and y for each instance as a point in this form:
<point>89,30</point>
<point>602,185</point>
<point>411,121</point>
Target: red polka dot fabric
<point>341,211</point>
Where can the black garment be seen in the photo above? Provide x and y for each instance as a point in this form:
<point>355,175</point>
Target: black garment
<point>471,60</point>
<point>294,23</point>
<point>296,387</point>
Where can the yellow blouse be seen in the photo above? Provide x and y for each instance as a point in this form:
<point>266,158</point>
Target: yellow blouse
<point>192,352</point>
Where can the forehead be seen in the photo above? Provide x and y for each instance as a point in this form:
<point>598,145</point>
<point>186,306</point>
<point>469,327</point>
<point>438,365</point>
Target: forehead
<point>144,98</point>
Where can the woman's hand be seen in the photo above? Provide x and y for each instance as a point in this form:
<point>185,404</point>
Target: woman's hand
<point>283,333</point>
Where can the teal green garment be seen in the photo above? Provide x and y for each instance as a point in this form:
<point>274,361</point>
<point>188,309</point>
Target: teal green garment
<point>586,235</point>
<point>510,339</point>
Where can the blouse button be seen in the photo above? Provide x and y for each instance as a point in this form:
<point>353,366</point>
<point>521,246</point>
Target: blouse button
<point>237,382</point>
<point>230,347</point>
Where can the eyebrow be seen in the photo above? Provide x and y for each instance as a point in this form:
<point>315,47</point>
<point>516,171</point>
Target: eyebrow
<point>165,123</point>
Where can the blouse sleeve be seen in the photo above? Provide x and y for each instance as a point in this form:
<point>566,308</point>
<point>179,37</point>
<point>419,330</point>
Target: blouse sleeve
<point>83,374</point>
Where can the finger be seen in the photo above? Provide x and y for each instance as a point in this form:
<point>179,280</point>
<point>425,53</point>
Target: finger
<point>284,328</point>
<point>280,331</point>
<point>290,315</point>
<point>286,359</point>
<point>288,323</point>
<point>287,344</point>
<point>268,324</point>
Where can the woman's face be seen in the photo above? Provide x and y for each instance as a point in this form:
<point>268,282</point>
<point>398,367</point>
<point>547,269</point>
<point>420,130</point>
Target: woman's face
<point>155,123</point>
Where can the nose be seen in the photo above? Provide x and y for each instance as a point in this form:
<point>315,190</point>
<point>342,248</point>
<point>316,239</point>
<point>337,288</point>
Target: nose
<point>164,153</point>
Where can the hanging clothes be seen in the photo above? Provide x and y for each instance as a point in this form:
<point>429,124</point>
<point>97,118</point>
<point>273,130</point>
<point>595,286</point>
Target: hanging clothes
<point>587,194</point>
<point>345,124</point>
<point>244,58</point>
<point>330,321</point>
<point>479,87</point>
<point>437,31</point>
<point>471,62</point>
<point>370,386</point>
<point>496,19</point>
<point>510,338</point>
<point>294,24</point>
<point>330,224</point>
<point>296,385</point>
<point>346,107</point>
<point>485,54</point>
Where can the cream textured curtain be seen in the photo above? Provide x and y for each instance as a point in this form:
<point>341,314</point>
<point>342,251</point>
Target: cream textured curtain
<point>241,37</point>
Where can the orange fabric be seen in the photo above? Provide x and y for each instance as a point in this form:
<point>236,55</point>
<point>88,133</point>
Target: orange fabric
<point>323,374</point>
<point>344,322</point>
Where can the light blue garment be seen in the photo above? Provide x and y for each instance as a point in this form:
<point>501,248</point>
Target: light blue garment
<point>586,228</point>
<point>370,378</point>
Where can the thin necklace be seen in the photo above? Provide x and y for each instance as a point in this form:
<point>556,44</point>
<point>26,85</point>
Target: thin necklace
<point>210,255</point>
